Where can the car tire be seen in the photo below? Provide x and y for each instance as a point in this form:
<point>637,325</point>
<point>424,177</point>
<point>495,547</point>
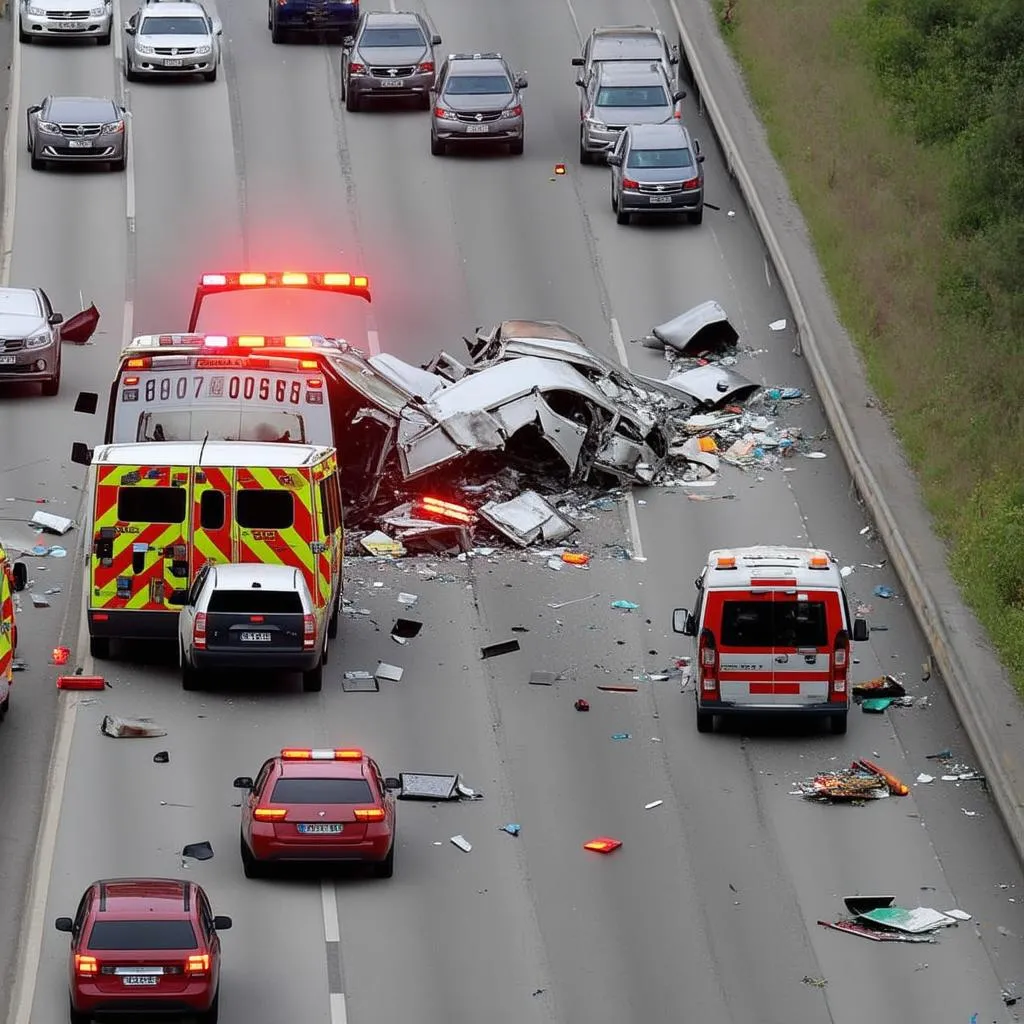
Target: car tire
<point>277,34</point>
<point>697,217</point>
<point>251,867</point>
<point>437,147</point>
<point>37,164</point>
<point>621,216</point>
<point>705,721</point>
<point>5,707</point>
<point>213,1013</point>
<point>210,76</point>
<point>425,101</point>
<point>129,72</point>
<point>119,165</point>
<point>332,625</point>
<point>51,387</point>
<point>103,40</point>
<point>76,1016</point>
<point>313,680</point>
<point>352,102</point>
<point>189,677</point>
<point>837,724</point>
<point>516,148</point>
<point>615,201</point>
<point>99,647</point>
<point>23,36</point>
<point>585,157</point>
<point>386,867</point>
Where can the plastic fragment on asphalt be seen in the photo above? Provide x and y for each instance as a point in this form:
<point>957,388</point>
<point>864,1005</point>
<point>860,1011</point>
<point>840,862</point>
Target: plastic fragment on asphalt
<point>603,844</point>
<point>405,629</point>
<point>582,705</point>
<point>78,682</point>
<point>511,828</point>
<point>620,736</point>
<point>198,851</point>
<point>380,544</point>
<point>958,915</point>
<point>576,600</point>
<point>882,686</point>
<point>359,682</point>
<point>847,570</point>
<point>462,843</point>
<point>777,325</point>
<point>392,673</point>
<point>613,688</point>
<point>882,912</point>
<point>876,705</point>
<point>555,564</point>
<point>18,665</point>
<point>409,599</point>
<point>39,601</point>
<point>496,650</point>
<point>653,804</point>
<point>969,814</point>
<point>161,757</point>
<point>575,558</point>
<point>885,592</point>
<point>425,786</point>
<point>625,606</point>
<point>815,455</point>
<point>543,678</point>
<point>874,934</point>
<point>925,779</point>
<point>814,982</point>
<point>526,519</point>
<point>51,523</point>
<point>125,728</point>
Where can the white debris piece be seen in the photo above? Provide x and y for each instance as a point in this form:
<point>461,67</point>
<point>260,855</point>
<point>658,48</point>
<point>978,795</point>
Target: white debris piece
<point>462,843</point>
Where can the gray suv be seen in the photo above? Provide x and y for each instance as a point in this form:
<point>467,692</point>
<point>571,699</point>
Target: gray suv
<point>477,100</point>
<point>657,169</point>
<point>622,94</point>
<point>620,43</point>
<point>77,129</point>
<point>390,55</point>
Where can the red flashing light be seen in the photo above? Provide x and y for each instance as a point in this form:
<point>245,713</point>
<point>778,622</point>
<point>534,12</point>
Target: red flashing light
<point>305,754</point>
<point>603,844</point>
<point>435,508</point>
<point>61,655</point>
<point>559,168</point>
<point>249,280</point>
<point>294,279</point>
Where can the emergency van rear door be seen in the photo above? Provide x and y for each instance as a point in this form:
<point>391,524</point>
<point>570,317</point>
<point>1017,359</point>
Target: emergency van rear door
<point>805,624</point>
<point>212,516</point>
<point>139,550</point>
<point>744,622</point>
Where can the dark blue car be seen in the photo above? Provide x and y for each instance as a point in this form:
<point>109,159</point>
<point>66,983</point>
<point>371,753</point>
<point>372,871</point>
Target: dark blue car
<point>291,17</point>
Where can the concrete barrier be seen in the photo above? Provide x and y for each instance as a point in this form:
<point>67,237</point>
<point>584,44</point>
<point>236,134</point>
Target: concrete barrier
<point>978,684</point>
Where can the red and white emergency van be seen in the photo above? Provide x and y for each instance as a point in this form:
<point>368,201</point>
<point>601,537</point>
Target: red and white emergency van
<point>773,628</point>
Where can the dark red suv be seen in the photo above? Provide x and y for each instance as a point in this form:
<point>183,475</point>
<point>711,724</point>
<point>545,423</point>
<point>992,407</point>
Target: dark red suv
<point>144,947</point>
<point>318,805</point>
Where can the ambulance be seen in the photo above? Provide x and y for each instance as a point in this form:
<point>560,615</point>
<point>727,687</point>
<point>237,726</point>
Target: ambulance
<point>772,630</point>
<point>158,512</point>
<point>13,577</point>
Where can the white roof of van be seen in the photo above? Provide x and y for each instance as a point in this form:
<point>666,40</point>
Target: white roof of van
<point>216,453</point>
<point>771,560</point>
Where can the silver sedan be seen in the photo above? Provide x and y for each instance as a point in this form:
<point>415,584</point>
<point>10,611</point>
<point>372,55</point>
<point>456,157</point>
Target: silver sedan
<point>77,129</point>
<point>65,19</point>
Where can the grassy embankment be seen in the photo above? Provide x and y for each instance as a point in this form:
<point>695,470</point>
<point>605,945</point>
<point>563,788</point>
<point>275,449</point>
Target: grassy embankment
<point>900,126</point>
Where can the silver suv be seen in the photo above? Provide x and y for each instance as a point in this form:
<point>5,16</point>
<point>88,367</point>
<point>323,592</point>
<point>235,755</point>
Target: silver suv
<point>477,100</point>
<point>620,43</point>
<point>390,55</point>
<point>622,94</point>
<point>172,39</point>
<point>72,19</point>
<point>657,169</point>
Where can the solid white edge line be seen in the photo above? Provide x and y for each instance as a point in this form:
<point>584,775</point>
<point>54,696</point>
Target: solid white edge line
<point>128,323</point>
<point>339,1012</point>
<point>634,523</point>
<point>129,184</point>
<point>10,162</point>
<point>329,905</point>
<point>373,341</point>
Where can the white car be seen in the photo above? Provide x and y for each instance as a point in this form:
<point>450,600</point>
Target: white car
<point>172,39</point>
<point>66,19</point>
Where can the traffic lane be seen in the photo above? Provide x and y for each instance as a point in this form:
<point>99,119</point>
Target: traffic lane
<point>188,197</point>
<point>625,933</point>
<point>457,929</point>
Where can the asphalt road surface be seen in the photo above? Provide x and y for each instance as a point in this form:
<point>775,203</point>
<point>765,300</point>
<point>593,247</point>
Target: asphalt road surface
<point>709,911</point>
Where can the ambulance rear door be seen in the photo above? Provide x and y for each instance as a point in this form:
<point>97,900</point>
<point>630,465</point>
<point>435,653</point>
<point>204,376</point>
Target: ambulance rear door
<point>213,505</point>
<point>742,621</point>
<point>806,622</point>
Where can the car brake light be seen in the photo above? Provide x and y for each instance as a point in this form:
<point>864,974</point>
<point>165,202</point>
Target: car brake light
<point>333,754</point>
<point>708,661</point>
<point>140,363</point>
<point>86,964</point>
<point>678,115</point>
<point>426,67</point>
<point>369,814</point>
<point>199,631</point>
<point>630,183</point>
<point>692,183</point>
<point>256,618</point>
<point>198,963</point>
<point>840,666</point>
<point>308,631</point>
<point>270,813</point>
<point>356,68</point>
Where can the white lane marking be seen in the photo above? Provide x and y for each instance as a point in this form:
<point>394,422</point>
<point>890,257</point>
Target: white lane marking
<point>329,904</point>
<point>373,341</point>
<point>339,1014</point>
<point>46,841</point>
<point>394,6</point>
<point>10,163</point>
<point>129,185</point>
<point>575,20</point>
<point>128,324</point>
<point>634,523</point>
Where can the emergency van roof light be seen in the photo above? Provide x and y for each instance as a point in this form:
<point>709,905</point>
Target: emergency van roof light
<point>343,281</point>
<point>817,562</point>
<point>302,754</point>
<point>725,562</point>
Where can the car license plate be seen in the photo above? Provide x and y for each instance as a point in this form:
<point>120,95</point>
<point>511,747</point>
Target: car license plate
<point>320,829</point>
<point>392,83</point>
<point>255,638</point>
<point>478,129</point>
<point>8,360</point>
<point>70,25</point>
<point>140,979</point>
<point>661,199</point>
<point>174,62</point>
<point>79,143</point>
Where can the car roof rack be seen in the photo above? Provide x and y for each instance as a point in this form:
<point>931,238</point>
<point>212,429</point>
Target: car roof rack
<point>474,56</point>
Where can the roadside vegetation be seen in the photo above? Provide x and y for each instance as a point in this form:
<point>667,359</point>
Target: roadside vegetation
<point>900,126</point>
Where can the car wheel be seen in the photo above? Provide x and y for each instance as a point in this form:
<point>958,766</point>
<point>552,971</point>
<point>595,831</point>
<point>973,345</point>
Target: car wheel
<point>343,86</point>
<point>698,217</point>
<point>313,680</point>
<point>332,626</point>
<point>437,147</point>
<point>210,76</point>
<point>425,102</point>
<point>37,164</point>
<point>103,40</point>
<point>251,867</point>
<point>585,157</point>
<point>326,656</point>
<point>211,1015</point>
<point>621,216</point>
<point>277,34</point>
<point>52,386</point>
<point>23,36</point>
<point>5,707</point>
<point>99,647</point>
<point>615,201</point>
<point>189,676</point>
<point>76,1016</point>
<point>129,71</point>
<point>119,165</point>
<point>705,721</point>
<point>352,102</point>
<point>837,724</point>
<point>386,868</point>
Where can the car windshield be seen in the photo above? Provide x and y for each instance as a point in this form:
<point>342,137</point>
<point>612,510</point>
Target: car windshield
<point>632,96</point>
<point>321,791</point>
<point>142,935</point>
<point>659,158</point>
<point>173,27</point>
<point>478,85</point>
<point>381,37</point>
<point>81,113</point>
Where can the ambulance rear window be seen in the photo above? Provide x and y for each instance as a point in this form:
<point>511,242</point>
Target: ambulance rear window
<point>780,623</point>
<point>151,504</point>
<point>264,510</point>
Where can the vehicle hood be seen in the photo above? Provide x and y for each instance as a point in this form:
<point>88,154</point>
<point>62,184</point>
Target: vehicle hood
<point>20,325</point>
<point>391,56</point>
<point>78,5</point>
<point>709,385</point>
<point>176,41</point>
<point>633,115</point>
<point>484,101</point>
<point>656,175</point>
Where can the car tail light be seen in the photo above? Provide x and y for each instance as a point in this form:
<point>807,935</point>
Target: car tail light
<point>86,965</point>
<point>270,813</point>
<point>426,67</point>
<point>257,618</point>
<point>438,508</point>
<point>355,68</point>
<point>708,665</point>
<point>837,693</point>
<point>369,814</point>
<point>198,964</point>
<point>630,183</point>
<point>199,631</point>
<point>308,632</point>
<point>692,183</point>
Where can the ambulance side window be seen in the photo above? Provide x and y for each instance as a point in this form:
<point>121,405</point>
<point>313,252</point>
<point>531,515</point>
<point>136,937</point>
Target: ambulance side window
<point>264,510</point>
<point>151,504</point>
<point>334,493</point>
<point>211,510</point>
<point>327,509</point>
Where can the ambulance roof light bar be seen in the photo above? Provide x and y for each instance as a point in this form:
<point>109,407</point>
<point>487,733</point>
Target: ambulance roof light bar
<point>304,754</point>
<point>725,562</point>
<point>198,343</point>
<point>340,282</point>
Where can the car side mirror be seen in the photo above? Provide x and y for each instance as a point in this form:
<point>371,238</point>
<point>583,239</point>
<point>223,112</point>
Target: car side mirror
<point>35,108</point>
<point>81,454</point>
<point>348,42</point>
<point>20,572</point>
<point>391,783</point>
<point>680,95</point>
<point>581,83</point>
<point>674,55</point>
<point>55,318</point>
<point>614,160</point>
<point>64,924</point>
<point>87,402</point>
<point>129,28</point>
<point>218,26</point>
<point>221,923</point>
<point>577,62</point>
<point>242,782</point>
<point>521,82</point>
<point>435,40</point>
<point>700,158</point>
<point>682,622</point>
<point>860,630</point>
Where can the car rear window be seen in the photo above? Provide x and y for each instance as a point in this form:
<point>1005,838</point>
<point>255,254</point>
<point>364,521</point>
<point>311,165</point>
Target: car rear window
<point>659,158</point>
<point>143,935</point>
<point>322,791</point>
<point>374,37</point>
<point>246,602</point>
<point>632,96</point>
<point>774,624</point>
